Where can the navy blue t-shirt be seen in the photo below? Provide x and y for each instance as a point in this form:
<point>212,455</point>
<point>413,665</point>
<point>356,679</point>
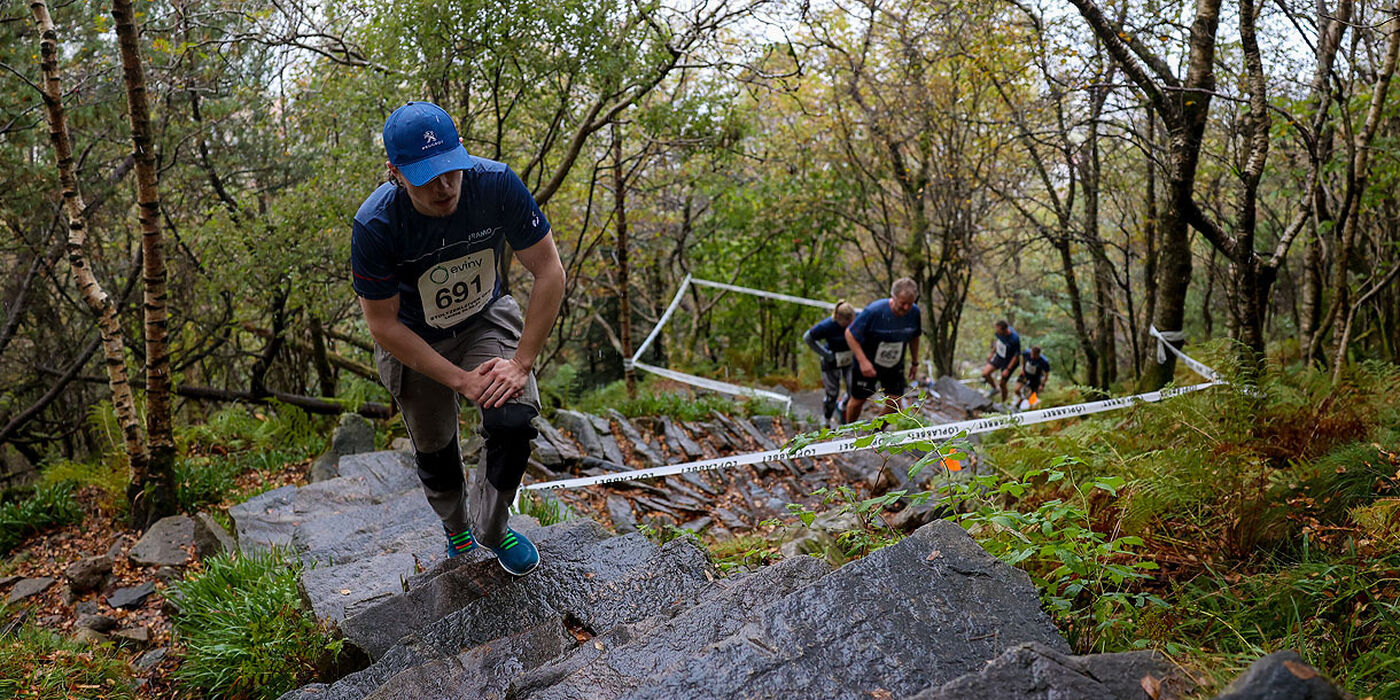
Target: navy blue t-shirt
<point>1034,366</point>
<point>832,332</point>
<point>883,335</point>
<point>443,268</point>
<point>1007,346</point>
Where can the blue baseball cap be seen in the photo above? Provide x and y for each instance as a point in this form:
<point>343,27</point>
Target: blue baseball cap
<point>421,141</point>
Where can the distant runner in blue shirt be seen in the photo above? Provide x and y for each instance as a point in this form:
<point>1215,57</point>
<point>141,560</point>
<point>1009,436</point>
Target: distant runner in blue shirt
<point>877,338</point>
<point>1035,371</point>
<point>828,339</point>
<point>1005,356</point>
<point>424,251</point>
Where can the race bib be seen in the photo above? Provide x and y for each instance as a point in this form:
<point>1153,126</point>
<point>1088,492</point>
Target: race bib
<point>889,354</point>
<point>453,290</point>
<point>1032,368</point>
<point>1001,348</point>
<point>843,359</point>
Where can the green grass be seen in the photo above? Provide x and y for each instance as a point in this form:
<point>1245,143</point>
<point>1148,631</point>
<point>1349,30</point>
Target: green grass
<point>36,663</point>
<point>679,405</point>
<point>544,507</point>
<point>50,505</point>
<point>245,633</point>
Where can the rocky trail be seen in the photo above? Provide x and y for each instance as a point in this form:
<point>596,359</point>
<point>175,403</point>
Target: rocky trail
<point>614,615</point>
<point>617,616</point>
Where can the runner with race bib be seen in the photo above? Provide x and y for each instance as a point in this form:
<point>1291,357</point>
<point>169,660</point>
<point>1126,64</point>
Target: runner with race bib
<point>424,249</point>
<point>877,339</point>
<point>828,339</point>
<point>1005,356</point>
<point>1035,374</point>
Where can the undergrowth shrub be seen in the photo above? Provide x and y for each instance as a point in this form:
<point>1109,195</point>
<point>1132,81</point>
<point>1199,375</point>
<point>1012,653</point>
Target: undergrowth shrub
<point>36,663</point>
<point>245,633</point>
<point>1341,612</point>
<point>50,505</point>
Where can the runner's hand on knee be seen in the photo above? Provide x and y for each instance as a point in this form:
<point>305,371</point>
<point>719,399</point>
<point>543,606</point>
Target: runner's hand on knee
<point>471,385</point>
<point>505,380</point>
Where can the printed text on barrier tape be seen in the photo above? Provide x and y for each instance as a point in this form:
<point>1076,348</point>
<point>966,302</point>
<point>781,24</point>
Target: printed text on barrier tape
<point>823,449</point>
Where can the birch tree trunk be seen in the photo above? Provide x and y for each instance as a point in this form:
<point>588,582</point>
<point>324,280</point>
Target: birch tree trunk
<point>109,326</point>
<point>155,498</point>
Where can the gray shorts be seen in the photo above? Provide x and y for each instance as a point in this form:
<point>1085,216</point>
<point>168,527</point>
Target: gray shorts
<point>430,410</point>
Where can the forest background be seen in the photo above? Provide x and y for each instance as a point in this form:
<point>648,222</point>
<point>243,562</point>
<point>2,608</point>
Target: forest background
<point>1084,171</point>
<point>179,177</point>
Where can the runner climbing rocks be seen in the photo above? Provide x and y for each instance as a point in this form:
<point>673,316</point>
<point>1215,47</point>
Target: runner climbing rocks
<point>1035,372</point>
<point>424,251</point>
<point>877,338</point>
<point>828,339</point>
<point>1005,356</point>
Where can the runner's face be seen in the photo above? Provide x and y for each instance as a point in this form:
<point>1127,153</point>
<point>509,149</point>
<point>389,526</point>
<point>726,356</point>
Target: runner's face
<point>438,196</point>
<point>901,305</point>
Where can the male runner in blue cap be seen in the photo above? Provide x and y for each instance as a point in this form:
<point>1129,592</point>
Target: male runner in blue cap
<point>424,249</point>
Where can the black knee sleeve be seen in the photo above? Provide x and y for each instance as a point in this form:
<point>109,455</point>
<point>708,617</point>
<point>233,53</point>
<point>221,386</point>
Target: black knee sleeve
<point>441,470</point>
<point>508,434</point>
<point>828,406</point>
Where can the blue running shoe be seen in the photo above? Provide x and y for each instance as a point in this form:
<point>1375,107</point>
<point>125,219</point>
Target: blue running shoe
<point>459,543</point>
<point>516,553</point>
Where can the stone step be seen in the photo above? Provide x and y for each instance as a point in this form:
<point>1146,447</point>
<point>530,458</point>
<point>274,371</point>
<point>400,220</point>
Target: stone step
<point>1033,671</point>
<point>398,524</point>
<point>910,616</point>
<point>270,519</point>
<point>611,582</point>
<point>454,584</point>
<point>621,659</point>
<point>480,672</point>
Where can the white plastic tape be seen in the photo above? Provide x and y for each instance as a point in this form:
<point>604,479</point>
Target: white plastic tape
<point>675,301</point>
<point>825,305</point>
<point>713,385</point>
<point>1164,343</point>
<point>832,447</point>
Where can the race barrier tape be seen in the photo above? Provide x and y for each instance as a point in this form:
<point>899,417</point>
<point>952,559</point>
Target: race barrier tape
<point>833,447</point>
<point>846,445</point>
<point>1165,340</point>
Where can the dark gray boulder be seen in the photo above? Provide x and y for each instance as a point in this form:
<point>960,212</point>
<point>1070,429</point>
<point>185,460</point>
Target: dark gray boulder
<point>99,623</point>
<point>620,511</point>
<point>650,456</point>
<point>167,543</point>
<point>210,538</point>
<point>927,610</point>
<point>29,587</point>
<point>561,450</point>
<point>955,393</point>
<point>88,574</point>
<point>615,581</point>
<point>266,520</point>
<point>131,596</point>
<point>623,659</point>
<point>1282,675</point>
<point>679,441</point>
<point>1033,671</point>
<point>480,672</point>
<point>419,601</point>
<point>354,435</point>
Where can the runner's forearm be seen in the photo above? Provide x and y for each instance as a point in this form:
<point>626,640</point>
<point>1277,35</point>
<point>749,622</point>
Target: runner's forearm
<point>816,347</point>
<point>545,298</point>
<point>856,349</point>
<point>415,353</point>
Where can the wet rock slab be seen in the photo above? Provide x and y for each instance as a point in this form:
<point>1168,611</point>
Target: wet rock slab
<point>929,609</point>
<point>1033,671</point>
<point>28,587</point>
<point>167,543</point>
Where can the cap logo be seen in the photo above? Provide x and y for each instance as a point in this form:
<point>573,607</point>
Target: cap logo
<point>430,139</point>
